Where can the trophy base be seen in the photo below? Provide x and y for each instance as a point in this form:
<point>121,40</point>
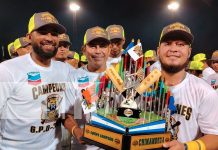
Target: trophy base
<point>112,140</point>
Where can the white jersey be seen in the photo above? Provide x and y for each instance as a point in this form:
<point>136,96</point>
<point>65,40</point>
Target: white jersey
<point>213,81</point>
<point>31,100</point>
<point>82,79</point>
<point>111,61</point>
<point>196,104</point>
<point>207,72</point>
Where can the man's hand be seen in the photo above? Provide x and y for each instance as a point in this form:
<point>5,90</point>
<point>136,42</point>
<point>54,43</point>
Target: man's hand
<point>78,133</point>
<point>174,145</point>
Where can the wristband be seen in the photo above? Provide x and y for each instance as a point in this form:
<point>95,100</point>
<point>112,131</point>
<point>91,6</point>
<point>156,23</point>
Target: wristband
<point>201,145</point>
<point>192,145</point>
<point>195,145</point>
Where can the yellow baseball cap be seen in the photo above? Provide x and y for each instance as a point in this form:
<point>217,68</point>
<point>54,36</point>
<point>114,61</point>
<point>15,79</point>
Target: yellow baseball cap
<point>199,57</point>
<point>94,33</point>
<point>21,42</point>
<point>196,65</point>
<point>176,30</point>
<point>11,48</point>
<point>115,32</point>
<point>83,58</point>
<point>42,19</point>
<point>150,53</point>
<point>76,56</point>
<point>64,38</point>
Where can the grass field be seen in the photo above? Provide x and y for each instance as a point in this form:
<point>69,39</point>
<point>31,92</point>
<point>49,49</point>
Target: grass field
<point>145,117</point>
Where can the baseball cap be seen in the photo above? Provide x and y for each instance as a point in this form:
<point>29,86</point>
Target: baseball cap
<point>176,30</point>
<point>21,42</point>
<point>64,38</point>
<point>214,56</point>
<point>11,48</point>
<point>94,33</point>
<point>199,57</point>
<point>196,65</point>
<point>42,19</point>
<point>83,58</point>
<point>76,56</point>
<point>115,32</point>
<point>150,53</point>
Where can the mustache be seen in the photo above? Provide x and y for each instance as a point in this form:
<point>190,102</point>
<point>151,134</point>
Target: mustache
<point>48,42</point>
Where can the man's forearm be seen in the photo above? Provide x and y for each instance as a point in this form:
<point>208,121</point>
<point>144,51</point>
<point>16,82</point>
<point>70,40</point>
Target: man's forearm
<point>71,125</point>
<point>69,122</point>
<point>210,141</point>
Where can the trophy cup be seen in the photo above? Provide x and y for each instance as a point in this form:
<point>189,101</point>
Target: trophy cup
<point>134,109</point>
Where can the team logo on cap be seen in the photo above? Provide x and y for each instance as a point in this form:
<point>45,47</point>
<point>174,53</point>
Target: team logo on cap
<point>115,30</point>
<point>98,32</point>
<point>48,18</point>
<point>177,26</point>
<point>34,78</point>
<point>26,40</point>
<point>62,36</point>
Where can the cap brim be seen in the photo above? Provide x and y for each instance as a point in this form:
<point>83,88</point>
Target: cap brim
<point>178,35</point>
<point>102,39</point>
<point>116,37</point>
<point>66,42</point>
<point>213,59</point>
<point>60,29</point>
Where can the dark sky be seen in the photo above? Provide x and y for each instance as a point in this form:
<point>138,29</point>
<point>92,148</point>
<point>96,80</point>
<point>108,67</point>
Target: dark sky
<point>142,19</point>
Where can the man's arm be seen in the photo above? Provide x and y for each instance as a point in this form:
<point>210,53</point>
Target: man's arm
<point>209,143</point>
<point>71,125</point>
<point>208,123</point>
<point>6,84</point>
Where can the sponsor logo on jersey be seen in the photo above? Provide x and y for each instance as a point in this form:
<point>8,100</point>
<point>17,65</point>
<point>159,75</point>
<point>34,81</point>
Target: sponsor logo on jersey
<point>83,81</point>
<point>34,78</point>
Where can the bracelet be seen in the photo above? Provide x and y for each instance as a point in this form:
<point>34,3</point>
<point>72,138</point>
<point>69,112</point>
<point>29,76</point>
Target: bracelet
<point>72,130</point>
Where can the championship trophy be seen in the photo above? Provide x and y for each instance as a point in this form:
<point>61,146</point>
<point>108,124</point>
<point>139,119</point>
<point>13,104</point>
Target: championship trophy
<point>134,107</point>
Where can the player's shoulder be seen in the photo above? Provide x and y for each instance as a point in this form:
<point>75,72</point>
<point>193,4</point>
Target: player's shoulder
<point>62,65</point>
<point>15,62</point>
<point>199,83</point>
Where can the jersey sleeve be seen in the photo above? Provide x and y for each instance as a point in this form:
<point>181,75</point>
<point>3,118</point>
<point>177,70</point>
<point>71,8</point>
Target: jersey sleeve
<point>71,93</point>
<point>6,86</point>
<point>208,113</point>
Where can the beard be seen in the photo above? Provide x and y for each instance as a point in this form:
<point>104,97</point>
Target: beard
<point>45,55</point>
<point>173,68</point>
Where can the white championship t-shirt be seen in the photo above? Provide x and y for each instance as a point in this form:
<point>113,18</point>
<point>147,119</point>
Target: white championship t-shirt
<point>31,99</point>
<point>196,104</point>
<point>81,79</point>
